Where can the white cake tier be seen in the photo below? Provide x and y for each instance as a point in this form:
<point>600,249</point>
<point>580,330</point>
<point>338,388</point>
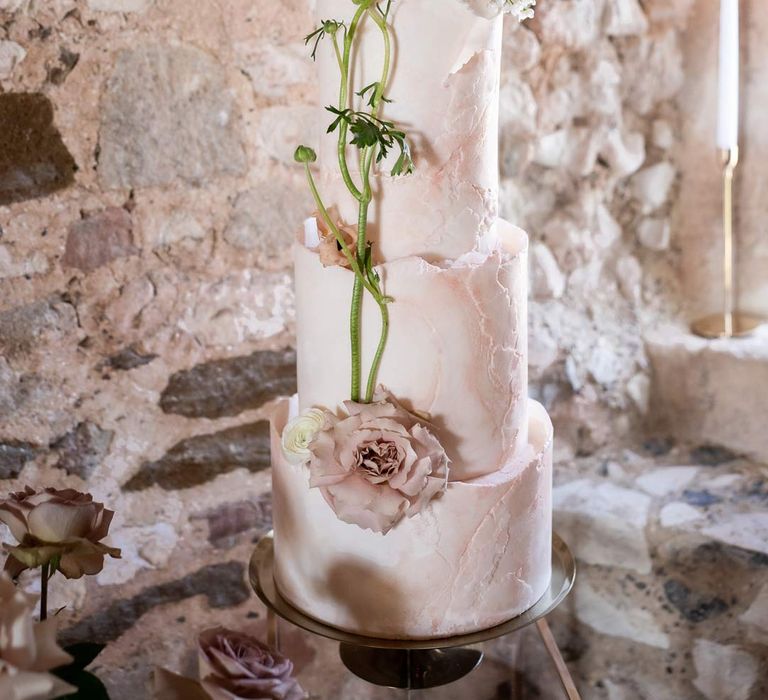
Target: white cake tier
<point>445,90</point>
<point>457,347</point>
<point>477,556</point>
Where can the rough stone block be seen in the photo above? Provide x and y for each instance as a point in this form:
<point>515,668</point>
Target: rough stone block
<point>98,239</point>
<point>11,54</point>
<point>200,459</point>
<point>82,450</point>
<point>34,162</point>
<point>168,114</point>
<point>229,387</point>
<point>709,392</point>
<point>267,217</point>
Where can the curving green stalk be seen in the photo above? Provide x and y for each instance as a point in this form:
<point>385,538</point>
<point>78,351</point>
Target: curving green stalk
<point>368,158</point>
<point>359,260</point>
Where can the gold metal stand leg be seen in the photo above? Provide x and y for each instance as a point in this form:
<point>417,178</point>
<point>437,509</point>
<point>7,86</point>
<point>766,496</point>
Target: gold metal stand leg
<point>273,629</point>
<point>729,324</point>
<point>562,670</point>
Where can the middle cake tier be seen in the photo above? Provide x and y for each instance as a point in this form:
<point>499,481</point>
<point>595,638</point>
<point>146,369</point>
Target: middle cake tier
<point>457,347</point>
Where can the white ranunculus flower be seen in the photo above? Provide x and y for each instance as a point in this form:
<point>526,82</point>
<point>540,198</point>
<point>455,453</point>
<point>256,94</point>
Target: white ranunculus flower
<point>299,433</point>
<point>28,649</point>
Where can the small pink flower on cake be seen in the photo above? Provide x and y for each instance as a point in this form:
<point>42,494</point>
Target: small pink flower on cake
<point>329,250</point>
<point>377,465</point>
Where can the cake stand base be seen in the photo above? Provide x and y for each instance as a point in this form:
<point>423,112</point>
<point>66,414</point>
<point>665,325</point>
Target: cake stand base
<point>415,664</point>
<point>409,669</point>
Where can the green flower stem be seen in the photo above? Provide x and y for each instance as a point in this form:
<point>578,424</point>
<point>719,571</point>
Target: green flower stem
<point>357,289</point>
<point>44,591</point>
<point>368,158</point>
<point>348,254</point>
<point>374,372</point>
<point>344,65</point>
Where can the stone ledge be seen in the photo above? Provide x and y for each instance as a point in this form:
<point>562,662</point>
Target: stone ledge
<point>709,391</point>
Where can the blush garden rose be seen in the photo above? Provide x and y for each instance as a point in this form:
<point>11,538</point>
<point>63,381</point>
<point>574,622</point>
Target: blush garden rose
<point>377,465</point>
<point>60,526</point>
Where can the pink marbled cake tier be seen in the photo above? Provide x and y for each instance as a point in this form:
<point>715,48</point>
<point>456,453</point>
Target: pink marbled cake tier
<point>475,557</point>
<point>457,348</point>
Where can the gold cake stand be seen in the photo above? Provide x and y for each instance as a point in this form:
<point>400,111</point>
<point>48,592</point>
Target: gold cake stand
<point>417,664</point>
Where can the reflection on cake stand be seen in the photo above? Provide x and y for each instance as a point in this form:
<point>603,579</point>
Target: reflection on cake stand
<point>417,664</point>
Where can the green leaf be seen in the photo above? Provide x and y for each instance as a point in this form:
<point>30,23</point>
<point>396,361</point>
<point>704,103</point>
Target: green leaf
<point>84,653</point>
<point>364,133</point>
<point>327,27</point>
<point>404,164</point>
<point>372,89</point>
<point>342,115</point>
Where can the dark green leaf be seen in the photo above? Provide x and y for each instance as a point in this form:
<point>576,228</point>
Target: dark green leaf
<point>365,133</point>
<point>372,88</point>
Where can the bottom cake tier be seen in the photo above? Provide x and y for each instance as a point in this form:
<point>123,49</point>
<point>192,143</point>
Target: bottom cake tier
<point>476,557</point>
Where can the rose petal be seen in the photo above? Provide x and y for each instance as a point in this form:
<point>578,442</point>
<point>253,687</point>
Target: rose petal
<point>13,517</point>
<point>18,635</point>
<point>101,526</point>
<point>13,567</point>
<point>56,522</point>
<point>48,652</point>
<point>26,685</point>
<point>358,502</point>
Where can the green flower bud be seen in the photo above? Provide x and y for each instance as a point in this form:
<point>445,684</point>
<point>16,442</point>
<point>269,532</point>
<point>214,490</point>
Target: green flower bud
<point>304,154</point>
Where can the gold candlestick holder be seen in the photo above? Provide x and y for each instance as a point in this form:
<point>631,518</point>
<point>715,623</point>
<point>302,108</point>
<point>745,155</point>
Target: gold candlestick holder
<point>730,323</point>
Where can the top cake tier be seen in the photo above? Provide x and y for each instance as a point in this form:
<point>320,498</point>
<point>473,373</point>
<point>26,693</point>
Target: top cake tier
<point>444,88</point>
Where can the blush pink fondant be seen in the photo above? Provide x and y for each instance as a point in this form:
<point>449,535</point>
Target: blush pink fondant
<point>456,350</point>
<point>475,557</point>
<point>445,90</point>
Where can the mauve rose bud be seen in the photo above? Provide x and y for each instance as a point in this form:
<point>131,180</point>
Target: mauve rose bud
<point>234,666</point>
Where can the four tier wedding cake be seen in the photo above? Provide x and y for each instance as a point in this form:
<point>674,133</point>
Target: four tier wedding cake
<point>411,474</point>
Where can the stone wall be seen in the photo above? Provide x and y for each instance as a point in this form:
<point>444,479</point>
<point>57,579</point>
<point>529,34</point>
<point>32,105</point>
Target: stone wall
<point>147,198</point>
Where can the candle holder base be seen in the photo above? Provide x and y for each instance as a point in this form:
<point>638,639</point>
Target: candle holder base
<point>715,326</point>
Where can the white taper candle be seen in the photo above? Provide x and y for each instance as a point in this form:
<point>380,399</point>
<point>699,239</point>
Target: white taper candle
<point>728,83</point>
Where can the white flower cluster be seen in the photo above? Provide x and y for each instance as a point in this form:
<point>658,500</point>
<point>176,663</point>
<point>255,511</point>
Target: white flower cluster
<point>522,9</point>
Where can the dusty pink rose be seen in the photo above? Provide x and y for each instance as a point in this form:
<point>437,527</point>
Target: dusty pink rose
<point>28,649</point>
<point>234,666</point>
<point>56,525</point>
<point>378,465</point>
